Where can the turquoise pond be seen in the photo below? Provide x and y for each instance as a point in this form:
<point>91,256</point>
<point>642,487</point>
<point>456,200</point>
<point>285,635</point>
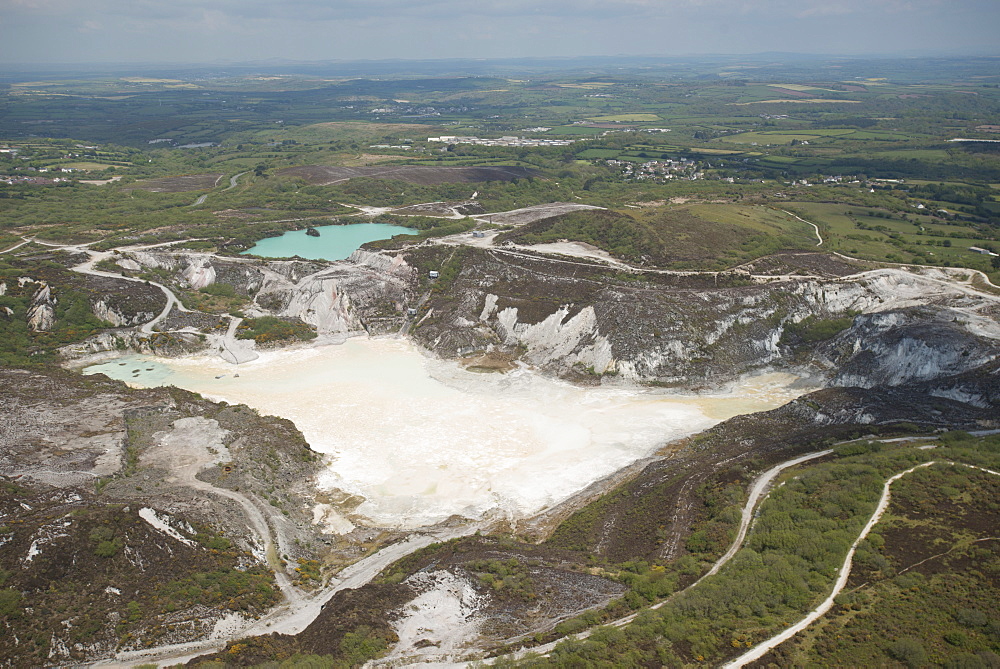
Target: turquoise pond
<point>335,242</point>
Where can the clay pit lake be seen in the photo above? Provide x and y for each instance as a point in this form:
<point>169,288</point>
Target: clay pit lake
<point>421,439</point>
<point>335,242</point>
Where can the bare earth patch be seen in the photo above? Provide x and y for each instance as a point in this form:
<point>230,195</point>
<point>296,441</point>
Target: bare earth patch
<point>537,213</point>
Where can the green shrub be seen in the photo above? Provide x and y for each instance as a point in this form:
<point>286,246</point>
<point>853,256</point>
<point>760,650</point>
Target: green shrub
<point>106,543</point>
<point>811,329</point>
<point>909,651</point>
<point>219,290</point>
<point>10,603</point>
<point>108,549</point>
<point>272,329</point>
<point>361,645</point>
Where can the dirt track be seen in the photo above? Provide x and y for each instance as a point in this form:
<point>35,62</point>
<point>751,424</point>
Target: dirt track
<point>760,650</point>
<point>760,485</point>
<point>295,618</point>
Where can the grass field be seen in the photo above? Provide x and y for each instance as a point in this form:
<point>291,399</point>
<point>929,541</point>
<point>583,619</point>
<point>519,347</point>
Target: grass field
<point>858,231</point>
<point>625,118</point>
<point>759,218</point>
<point>83,165</point>
<point>913,154</point>
<point>722,152</point>
<point>599,153</point>
<point>814,101</point>
<point>821,135</point>
<point>181,184</point>
<point>587,85</point>
<point>705,236</point>
<point>576,130</point>
<point>800,87</point>
<point>716,236</point>
<point>768,138</point>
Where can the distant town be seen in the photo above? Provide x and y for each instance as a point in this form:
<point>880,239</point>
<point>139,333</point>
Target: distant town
<point>502,141</point>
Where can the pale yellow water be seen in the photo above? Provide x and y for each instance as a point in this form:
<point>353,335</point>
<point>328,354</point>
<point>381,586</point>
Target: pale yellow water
<point>422,439</point>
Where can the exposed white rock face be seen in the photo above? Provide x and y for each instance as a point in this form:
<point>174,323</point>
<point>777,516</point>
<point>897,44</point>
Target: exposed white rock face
<point>199,272</point>
<point>321,302</point>
<point>440,622</point>
<point>128,264</point>
<point>42,314</point>
<point>574,341</point>
<point>961,395</point>
<point>641,333</point>
<point>328,299</point>
<point>506,324</point>
<point>114,316</point>
<point>897,348</point>
<point>162,522</point>
<point>859,416</point>
<point>154,260</point>
<point>489,308</point>
<point>121,340</point>
<point>394,265</point>
<point>323,295</point>
<point>676,335</point>
<point>105,313</point>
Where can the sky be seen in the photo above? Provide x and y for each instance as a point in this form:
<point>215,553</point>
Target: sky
<point>196,31</point>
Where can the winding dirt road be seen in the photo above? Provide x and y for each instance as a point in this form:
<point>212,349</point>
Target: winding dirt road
<point>293,617</point>
<point>815,227</point>
<point>233,180</point>
<point>300,610</point>
<point>97,256</point>
<point>757,490</point>
<point>761,649</point>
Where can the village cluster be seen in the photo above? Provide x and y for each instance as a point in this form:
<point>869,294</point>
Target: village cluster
<point>502,141</point>
<point>658,170</point>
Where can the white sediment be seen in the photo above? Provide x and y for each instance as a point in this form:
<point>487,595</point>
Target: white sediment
<point>154,519</point>
<point>421,439</point>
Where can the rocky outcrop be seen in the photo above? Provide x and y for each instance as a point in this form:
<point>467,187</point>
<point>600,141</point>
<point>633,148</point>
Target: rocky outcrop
<point>575,320</point>
<point>199,273</point>
<point>115,314</point>
<point>112,343</point>
<point>899,347</point>
<point>177,487</point>
<point>42,313</point>
<point>572,320</point>
<point>196,270</point>
<point>47,297</point>
<point>574,340</point>
<point>342,298</point>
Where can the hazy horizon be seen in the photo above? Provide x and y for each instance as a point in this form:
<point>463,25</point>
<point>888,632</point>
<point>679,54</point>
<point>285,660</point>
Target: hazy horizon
<point>60,32</point>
